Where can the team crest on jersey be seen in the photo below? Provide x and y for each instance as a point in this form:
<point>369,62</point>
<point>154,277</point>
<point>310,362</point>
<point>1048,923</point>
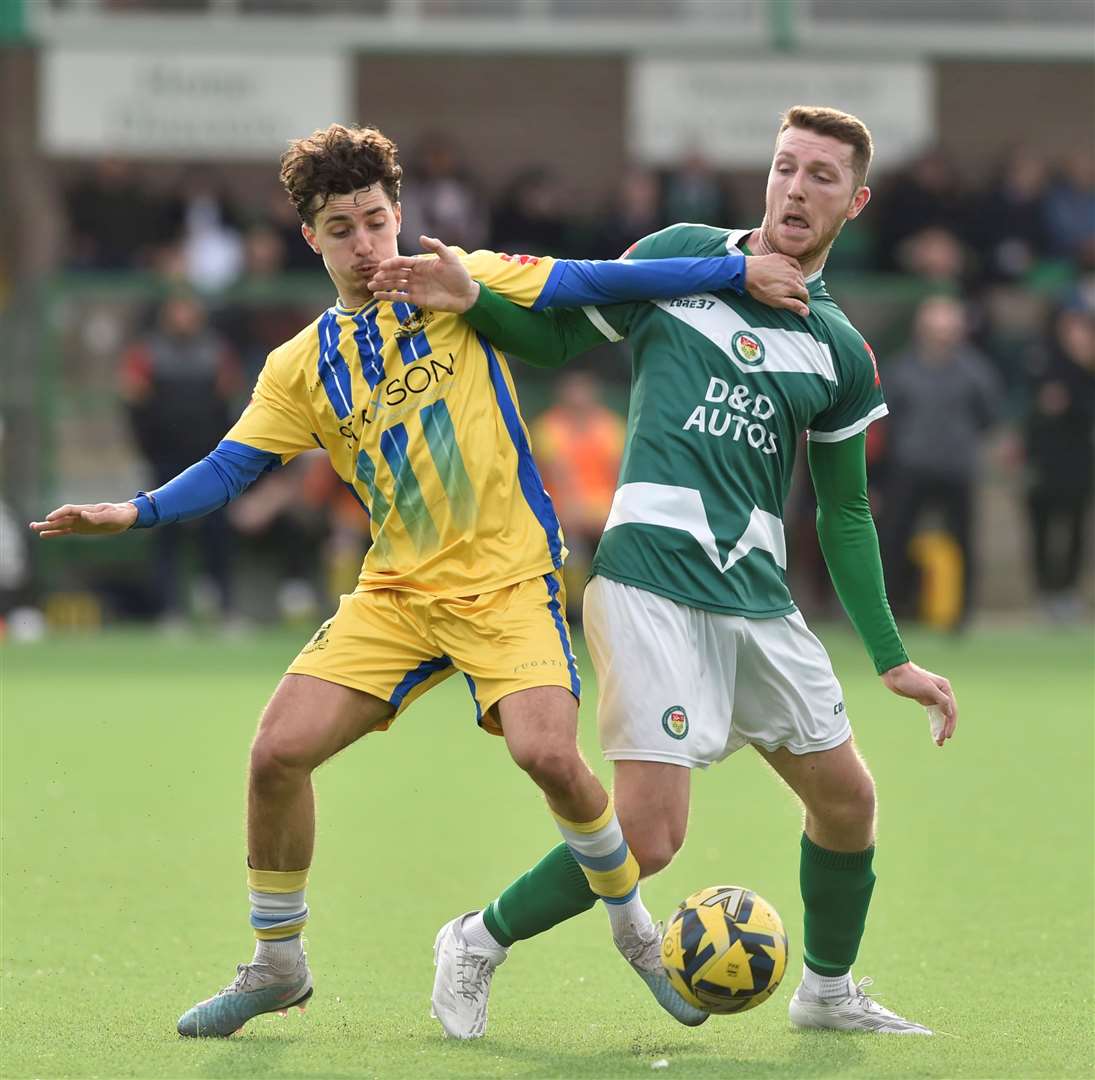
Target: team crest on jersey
<point>414,323</point>
<point>319,638</point>
<point>675,722</point>
<point>748,347</point>
<point>521,260</point>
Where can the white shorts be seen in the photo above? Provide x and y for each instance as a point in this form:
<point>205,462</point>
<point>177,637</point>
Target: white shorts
<point>689,687</point>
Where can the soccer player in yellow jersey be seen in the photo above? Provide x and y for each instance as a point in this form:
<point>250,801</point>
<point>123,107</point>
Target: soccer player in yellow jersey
<point>420,419</point>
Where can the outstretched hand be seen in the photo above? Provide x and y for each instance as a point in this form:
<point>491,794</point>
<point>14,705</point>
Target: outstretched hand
<point>438,281</point>
<point>88,519</point>
<point>911,681</point>
<point>776,280</point>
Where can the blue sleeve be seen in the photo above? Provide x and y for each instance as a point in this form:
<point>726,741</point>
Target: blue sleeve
<point>580,282</point>
<point>207,485</point>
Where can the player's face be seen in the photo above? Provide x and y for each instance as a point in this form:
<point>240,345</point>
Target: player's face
<point>812,192</point>
<point>355,233</point>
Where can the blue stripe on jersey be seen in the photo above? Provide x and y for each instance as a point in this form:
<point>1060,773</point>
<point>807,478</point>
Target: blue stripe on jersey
<point>531,485</point>
<point>416,676</point>
<point>475,698</point>
<point>333,371</point>
<point>408,493</point>
<point>557,614</point>
<point>369,342</point>
<point>415,347</point>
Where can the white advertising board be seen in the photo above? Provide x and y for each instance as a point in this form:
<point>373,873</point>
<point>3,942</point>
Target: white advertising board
<point>170,103</point>
<point>729,109</point>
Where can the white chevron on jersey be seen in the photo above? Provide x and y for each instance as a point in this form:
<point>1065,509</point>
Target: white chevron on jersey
<point>682,508</point>
<point>784,350</point>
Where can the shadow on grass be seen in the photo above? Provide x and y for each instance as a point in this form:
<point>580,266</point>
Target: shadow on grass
<point>811,1054</point>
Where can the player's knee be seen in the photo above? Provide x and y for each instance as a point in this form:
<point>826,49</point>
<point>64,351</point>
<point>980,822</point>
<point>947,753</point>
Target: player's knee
<point>853,810</point>
<point>552,766</point>
<point>654,852</point>
<point>276,761</point>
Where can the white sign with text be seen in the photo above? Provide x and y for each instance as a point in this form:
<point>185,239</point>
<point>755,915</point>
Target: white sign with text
<point>728,110</point>
<point>166,103</point>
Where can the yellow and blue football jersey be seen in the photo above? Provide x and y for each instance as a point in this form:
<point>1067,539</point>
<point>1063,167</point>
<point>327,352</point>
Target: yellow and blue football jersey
<point>420,418</point>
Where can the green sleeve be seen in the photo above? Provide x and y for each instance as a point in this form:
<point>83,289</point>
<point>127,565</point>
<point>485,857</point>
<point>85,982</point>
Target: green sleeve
<point>850,545</point>
<point>543,338</point>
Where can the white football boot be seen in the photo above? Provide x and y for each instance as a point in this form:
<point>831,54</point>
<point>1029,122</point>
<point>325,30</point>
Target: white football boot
<point>857,1012</point>
<point>461,985</point>
<point>643,951</point>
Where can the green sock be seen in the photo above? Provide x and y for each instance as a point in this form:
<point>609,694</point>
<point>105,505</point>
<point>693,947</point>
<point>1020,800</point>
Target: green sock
<point>836,892</point>
<point>554,890</point>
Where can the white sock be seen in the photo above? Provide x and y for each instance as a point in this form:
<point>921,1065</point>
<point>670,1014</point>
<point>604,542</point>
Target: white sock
<point>477,935</point>
<point>827,987</point>
<point>630,918</point>
<point>282,956</point>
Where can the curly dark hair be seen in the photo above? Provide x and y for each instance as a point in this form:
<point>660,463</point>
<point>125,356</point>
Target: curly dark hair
<point>335,161</point>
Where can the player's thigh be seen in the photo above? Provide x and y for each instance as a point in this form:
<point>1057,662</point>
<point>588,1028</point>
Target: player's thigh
<point>787,694</point>
<point>836,788</point>
<point>651,799</point>
<point>665,676</point>
<point>377,643</point>
<point>540,726</point>
<point>309,720</point>
<point>509,641</point>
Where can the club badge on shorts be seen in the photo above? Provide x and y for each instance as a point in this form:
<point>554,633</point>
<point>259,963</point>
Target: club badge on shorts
<point>675,722</point>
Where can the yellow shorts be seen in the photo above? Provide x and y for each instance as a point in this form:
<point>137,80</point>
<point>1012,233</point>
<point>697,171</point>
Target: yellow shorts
<point>396,644</point>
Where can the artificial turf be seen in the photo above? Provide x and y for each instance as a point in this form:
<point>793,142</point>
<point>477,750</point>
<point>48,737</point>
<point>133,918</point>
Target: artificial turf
<point>124,902</point>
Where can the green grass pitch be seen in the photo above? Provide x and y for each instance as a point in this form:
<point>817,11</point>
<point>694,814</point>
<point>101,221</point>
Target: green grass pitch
<point>124,899</point>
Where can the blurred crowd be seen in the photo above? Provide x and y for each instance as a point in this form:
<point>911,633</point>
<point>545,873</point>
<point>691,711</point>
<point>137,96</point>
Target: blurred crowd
<point>990,363</point>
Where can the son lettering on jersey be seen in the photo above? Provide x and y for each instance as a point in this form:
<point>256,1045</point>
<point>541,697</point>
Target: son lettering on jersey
<point>414,380</point>
<point>741,418</point>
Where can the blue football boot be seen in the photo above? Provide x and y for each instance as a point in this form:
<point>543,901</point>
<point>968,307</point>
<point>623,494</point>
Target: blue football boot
<point>256,989</point>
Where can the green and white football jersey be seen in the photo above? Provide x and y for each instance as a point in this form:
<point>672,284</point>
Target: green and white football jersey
<point>722,388</point>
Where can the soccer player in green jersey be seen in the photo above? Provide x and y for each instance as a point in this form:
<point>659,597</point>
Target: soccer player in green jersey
<point>698,647</point>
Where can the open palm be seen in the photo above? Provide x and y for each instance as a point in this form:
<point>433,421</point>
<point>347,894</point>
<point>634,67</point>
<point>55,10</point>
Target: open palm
<point>438,280</point>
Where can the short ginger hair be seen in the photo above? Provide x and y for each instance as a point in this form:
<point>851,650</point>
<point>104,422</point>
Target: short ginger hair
<point>335,161</point>
<point>838,125</point>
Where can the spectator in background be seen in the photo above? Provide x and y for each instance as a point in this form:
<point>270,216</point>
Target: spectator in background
<point>282,218</point>
<point>924,195</point>
<point>634,214</point>
<point>529,217</point>
<point>441,199</point>
<point>1071,206</point>
<point>695,192</point>
<point>177,382</point>
<point>259,319</point>
<point>1058,435</point>
<point>943,395</point>
<point>1007,224</point>
<point>578,444</point>
<point>207,230</point>
<point>114,221</point>
<point>937,257</point>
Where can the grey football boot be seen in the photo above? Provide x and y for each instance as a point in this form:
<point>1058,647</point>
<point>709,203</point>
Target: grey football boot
<point>257,989</point>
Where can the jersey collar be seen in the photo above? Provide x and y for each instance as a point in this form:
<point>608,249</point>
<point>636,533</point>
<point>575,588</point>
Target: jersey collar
<point>736,236</point>
<point>338,308</point>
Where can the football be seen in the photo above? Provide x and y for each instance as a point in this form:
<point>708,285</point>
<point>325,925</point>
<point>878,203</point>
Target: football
<point>725,949</point>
